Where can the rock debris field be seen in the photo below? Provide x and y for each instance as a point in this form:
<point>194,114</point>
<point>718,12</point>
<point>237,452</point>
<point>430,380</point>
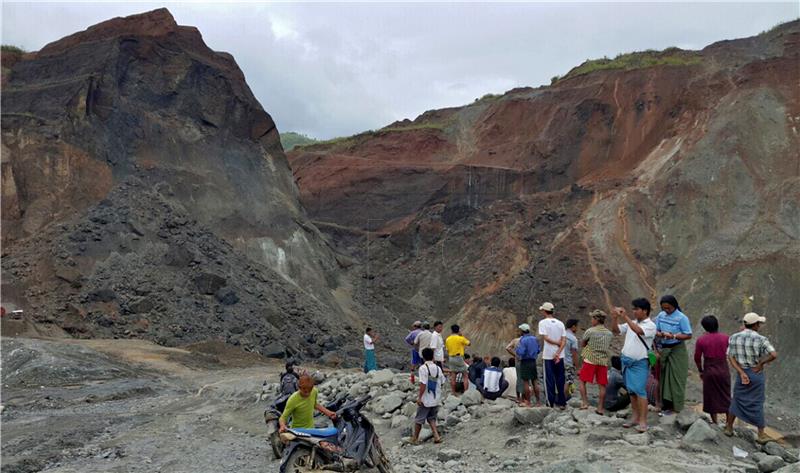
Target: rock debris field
<point>131,406</point>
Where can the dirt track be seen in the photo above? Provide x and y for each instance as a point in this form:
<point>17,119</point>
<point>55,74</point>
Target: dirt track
<point>129,406</point>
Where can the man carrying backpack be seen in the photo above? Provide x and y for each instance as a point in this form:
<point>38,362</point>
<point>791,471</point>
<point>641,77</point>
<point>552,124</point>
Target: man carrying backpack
<point>289,379</point>
<point>429,396</point>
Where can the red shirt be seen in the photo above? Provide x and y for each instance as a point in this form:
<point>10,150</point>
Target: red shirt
<point>710,345</point>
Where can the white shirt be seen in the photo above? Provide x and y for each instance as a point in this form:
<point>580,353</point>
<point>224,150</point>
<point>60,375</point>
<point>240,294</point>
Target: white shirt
<point>633,347</point>
<point>368,344</point>
<point>554,330</point>
<point>491,380</point>
<point>423,340</point>
<point>511,376</point>
<point>428,398</point>
<point>437,343</point>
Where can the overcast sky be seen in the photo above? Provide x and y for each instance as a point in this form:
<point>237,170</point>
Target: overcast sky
<point>337,69</point>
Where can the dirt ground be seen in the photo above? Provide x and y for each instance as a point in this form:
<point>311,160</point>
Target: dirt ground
<point>93,406</point>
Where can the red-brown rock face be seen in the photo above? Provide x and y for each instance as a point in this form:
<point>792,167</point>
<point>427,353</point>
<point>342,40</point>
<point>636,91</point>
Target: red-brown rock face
<point>680,179</point>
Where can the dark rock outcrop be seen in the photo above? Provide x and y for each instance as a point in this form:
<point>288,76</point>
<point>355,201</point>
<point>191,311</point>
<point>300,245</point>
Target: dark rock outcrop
<point>146,193</point>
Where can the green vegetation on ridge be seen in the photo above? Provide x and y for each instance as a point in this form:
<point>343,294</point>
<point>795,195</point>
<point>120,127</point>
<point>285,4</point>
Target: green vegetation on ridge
<point>635,60</point>
<point>291,139</point>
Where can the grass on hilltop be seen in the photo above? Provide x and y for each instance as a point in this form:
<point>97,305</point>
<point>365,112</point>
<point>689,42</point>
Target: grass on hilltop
<point>635,60</point>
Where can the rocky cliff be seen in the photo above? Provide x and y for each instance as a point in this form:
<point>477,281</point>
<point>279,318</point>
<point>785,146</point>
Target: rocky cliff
<point>657,172</point>
<point>146,194</point>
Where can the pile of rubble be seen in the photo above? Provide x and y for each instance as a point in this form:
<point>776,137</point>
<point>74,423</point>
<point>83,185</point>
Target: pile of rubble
<point>481,435</point>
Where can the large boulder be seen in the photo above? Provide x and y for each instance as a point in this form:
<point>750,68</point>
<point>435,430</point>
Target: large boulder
<point>380,377</point>
<point>471,398</point>
<point>388,403</point>
<point>698,433</point>
<point>768,463</point>
<point>686,419</point>
<point>530,415</point>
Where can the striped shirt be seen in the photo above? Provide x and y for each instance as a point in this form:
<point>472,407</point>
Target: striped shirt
<point>598,345</point>
<point>747,347</point>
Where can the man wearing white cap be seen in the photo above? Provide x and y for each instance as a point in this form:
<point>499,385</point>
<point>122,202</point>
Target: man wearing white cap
<point>554,338</point>
<point>748,353</point>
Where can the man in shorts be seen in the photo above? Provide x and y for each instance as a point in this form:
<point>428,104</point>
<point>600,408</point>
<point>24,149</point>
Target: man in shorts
<point>455,344</point>
<point>571,359</point>
<point>416,359</point>
<point>527,351</point>
<point>429,396</point>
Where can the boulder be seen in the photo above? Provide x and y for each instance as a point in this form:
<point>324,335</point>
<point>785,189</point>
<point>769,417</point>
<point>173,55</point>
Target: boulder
<point>471,398</point>
<point>451,403</point>
<point>774,448</point>
<point>379,377</point>
<point>208,283</point>
<point>698,433</point>
<point>448,454</point>
<point>399,421</point>
<point>686,418</point>
<point>637,439</point>
<point>409,408</point>
<point>768,463</point>
<point>793,468</point>
<point>388,403</point>
<point>530,415</point>
<point>602,435</point>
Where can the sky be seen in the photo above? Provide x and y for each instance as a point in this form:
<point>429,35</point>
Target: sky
<point>336,69</point>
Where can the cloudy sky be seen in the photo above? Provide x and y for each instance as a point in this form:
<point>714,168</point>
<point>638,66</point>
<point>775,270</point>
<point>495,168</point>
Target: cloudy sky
<point>334,69</point>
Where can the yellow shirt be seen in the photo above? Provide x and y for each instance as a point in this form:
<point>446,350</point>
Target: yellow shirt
<point>455,345</point>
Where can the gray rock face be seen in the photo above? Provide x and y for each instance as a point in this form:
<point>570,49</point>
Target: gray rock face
<point>448,454</point>
<point>698,433</point>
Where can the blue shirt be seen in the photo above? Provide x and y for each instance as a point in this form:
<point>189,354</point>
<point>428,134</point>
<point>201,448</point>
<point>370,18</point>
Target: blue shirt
<point>528,348</point>
<point>676,322</point>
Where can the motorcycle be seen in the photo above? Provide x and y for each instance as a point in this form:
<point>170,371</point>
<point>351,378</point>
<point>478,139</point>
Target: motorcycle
<point>274,411</point>
<point>350,445</point>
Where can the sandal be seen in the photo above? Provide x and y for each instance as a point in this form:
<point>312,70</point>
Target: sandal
<point>439,440</point>
<point>600,413</point>
<point>628,424</point>
<point>641,428</point>
<point>583,408</point>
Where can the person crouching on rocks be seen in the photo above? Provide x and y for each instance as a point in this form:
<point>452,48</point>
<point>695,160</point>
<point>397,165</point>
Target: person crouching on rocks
<point>493,382</point>
<point>301,405</point>
<point>639,335</point>
<point>428,397</point>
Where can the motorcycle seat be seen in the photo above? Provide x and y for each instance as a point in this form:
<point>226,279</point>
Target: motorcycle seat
<point>326,432</point>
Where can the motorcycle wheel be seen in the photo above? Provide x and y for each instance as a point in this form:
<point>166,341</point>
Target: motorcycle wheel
<point>379,458</point>
<point>277,445</point>
<point>299,461</point>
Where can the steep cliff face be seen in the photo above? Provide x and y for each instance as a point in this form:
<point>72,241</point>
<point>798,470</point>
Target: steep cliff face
<point>682,177</point>
<point>145,192</point>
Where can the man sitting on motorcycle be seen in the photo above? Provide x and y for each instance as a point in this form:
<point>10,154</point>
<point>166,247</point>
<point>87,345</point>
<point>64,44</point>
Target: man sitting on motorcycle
<point>301,405</point>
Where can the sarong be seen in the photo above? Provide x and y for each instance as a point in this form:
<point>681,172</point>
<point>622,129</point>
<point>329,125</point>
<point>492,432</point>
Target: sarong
<point>716,386</point>
<point>748,399</point>
<point>370,363</point>
<point>674,370</point>
<point>635,372</point>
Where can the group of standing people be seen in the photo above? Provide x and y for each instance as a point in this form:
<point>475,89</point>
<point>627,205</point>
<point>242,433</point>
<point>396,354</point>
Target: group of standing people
<point>652,367</point>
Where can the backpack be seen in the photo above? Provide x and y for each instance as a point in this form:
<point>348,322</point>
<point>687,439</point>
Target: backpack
<point>288,383</point>
<point>433,382</point>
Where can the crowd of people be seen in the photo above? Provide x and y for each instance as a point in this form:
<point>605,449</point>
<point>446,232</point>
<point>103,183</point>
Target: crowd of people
<point>650,371</point>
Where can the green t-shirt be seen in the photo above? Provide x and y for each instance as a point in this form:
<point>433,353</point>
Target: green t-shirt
<point>301,410</point>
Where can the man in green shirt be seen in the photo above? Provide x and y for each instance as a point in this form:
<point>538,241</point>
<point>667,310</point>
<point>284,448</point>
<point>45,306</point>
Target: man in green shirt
<point>301,405</point>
